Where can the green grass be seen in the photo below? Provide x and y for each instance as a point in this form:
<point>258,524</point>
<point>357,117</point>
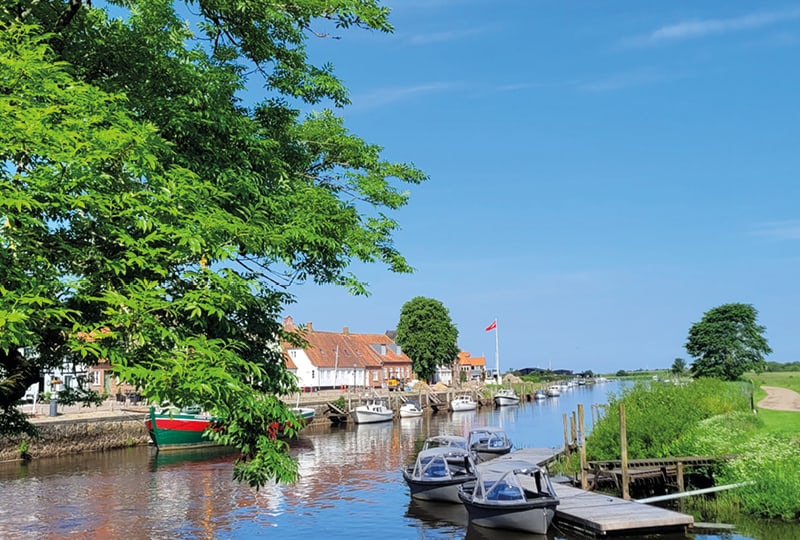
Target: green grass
<point>777,422</point>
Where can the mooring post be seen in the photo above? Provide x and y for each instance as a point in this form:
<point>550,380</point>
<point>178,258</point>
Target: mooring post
<point>679,474</point>
<point>623,450</point>
<point>582,439</point>
<point>566,437</point>
<point>573,429</point>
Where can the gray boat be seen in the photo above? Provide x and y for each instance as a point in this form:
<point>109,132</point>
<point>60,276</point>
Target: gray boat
<point>488,443</point>
<point>438,472</point>
<point>510,494</point>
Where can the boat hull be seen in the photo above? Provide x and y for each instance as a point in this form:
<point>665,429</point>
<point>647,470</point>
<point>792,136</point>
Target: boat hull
<point>504,401</point>
<point>179,431</point>
<point>440,490</point>
<point>371,417</point>
<point>533,517</point>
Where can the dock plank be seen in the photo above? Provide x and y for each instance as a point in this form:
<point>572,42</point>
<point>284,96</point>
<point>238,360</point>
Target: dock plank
<point>598,513</point>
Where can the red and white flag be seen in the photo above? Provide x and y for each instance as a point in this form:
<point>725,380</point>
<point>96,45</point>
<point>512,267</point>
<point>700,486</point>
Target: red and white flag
<point>492,326</point>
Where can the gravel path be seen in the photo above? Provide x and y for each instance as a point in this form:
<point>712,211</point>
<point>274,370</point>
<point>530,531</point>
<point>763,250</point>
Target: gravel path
<point>780,399</point>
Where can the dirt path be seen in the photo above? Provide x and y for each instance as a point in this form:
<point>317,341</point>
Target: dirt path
<point>780,399</point>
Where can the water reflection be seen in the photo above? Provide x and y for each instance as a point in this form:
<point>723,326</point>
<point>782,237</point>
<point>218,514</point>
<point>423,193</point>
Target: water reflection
<point>350,486</point>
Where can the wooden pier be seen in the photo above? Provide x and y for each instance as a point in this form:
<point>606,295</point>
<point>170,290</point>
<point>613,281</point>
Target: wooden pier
<point>597,514</point>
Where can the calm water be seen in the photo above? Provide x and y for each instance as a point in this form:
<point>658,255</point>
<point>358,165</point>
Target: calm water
<point>351,487</point>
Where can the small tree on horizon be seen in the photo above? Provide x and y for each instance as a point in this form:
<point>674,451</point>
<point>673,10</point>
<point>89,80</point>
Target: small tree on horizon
<point>727,342</point>
<point>427,335</point>
<point>679,366</point>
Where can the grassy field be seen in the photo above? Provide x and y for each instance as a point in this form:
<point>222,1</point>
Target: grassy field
<point>777,421</point>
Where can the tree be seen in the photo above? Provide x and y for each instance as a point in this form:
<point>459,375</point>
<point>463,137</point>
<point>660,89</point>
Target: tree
<point>427,335</point>
<point>149,218</point>
<point>679,366</point>
<point>727,342</point>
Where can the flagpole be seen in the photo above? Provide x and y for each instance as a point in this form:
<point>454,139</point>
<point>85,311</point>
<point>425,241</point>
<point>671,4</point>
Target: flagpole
<point>497,355</point>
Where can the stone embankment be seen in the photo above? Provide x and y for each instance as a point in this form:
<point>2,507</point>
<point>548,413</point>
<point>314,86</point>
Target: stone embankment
<point>78,433</point>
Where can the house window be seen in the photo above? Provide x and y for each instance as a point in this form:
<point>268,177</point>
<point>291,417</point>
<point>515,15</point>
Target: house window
<point>374,375</point>
<point>293,353</point>
<point>312,373</point>
<point>95,378</point>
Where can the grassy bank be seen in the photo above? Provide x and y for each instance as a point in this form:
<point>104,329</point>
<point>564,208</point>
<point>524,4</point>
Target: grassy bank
<point>710,417</point>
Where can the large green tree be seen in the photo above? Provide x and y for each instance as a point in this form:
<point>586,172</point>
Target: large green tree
<point>149,218</point>
<point>427,335</point>
<point>727,342</point>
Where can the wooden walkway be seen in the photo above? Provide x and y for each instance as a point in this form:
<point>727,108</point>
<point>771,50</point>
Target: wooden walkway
<point>597,514</point>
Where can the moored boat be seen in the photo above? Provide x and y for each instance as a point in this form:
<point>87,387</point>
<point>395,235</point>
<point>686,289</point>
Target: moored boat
<point>437,441</point>
<point>506,396</point>
<point>510,494</point>
<point>553,391</point>
<point>488,442</point>
<point>540,394</point>
<point>438,472</point>
<point>171,428</point>
<point>374,410</point>
<point>463,402</point>
<point>410,409</point>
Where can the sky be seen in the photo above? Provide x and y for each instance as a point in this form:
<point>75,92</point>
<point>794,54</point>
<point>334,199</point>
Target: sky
<point>601,173</point>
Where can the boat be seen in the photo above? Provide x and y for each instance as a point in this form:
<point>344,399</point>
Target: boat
<point>506,396</point>
<point>464,402</point>
<point>438,441</point>
<point>488,443</point>
<point>510,494</point>
<point>540,394</point>
<point>438,472</point>
<point>410,409</point>
<point>171,428</point>
<point>374,410</point>
<point>553,391</point>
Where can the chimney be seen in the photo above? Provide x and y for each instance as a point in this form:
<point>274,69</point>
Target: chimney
<point>346,331</point>
<point>309,328</point>
<point>288,324</point>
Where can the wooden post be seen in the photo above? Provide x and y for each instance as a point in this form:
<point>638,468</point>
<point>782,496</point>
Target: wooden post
<point>623,450</point>
<point>573,429</point>
<point>679,473</point>
<point>582,435</point>
<point>566,437</point>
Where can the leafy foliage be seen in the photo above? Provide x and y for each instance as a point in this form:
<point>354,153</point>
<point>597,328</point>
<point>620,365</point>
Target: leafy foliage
<point>727,342</point>
<point>427,335</point>
<point>149,219</point>
<point>658,415</point>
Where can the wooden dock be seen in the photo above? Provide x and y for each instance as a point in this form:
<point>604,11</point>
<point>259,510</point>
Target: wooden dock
<point>597,514</point>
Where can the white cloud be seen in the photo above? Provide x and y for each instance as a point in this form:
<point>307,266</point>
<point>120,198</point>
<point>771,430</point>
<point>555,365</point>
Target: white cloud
<point>447,36</point>
<point>782,230</point>
<point>386,96</point>
<point>706,27</point>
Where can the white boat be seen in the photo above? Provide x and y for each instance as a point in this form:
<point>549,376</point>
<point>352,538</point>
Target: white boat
<point>553,391</point>
<point>540,394</point>
<point>374,410</point>
<point>510,494</point>
<point>488,442</point>
<point>437,473</point>
<point>464,402</point>
<point>410,409</point>
<point>506,396</point>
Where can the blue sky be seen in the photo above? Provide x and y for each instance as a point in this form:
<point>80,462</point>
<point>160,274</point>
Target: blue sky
<point>601,173</point>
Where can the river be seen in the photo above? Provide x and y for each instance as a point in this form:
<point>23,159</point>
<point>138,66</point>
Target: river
<point>350,487</point>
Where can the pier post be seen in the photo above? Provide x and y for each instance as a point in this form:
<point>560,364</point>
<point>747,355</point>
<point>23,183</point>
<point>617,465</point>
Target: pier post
<point>566,437</point>
<point>623,448</point>
<point>582,442</point>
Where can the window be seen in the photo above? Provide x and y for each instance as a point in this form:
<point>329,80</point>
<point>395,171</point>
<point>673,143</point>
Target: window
<point>95,378</point>
<point>293,353</point>
<point>312,373</point>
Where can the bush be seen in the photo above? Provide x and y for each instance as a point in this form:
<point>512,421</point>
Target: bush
<point>657,414</point>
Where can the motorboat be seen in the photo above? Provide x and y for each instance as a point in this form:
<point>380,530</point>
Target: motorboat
<point>172,428</point>
<point>374,410</point>
<point>510,494</point>
<point>506,396</point>
<point>463,402</point>
<point>438,441</point>
<point>540,394</point>
<point>553,391</point>
<point>438,472</point>
<point>410,409</point>
<point>488,443</point>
